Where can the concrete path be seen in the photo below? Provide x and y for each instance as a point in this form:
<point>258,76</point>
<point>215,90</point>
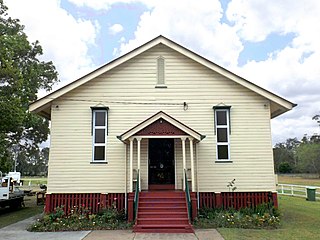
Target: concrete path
<point>18,231</point>
<point>201,234</point>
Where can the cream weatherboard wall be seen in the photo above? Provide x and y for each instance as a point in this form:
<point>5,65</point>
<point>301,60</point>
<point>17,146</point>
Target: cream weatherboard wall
<point>129,90</point>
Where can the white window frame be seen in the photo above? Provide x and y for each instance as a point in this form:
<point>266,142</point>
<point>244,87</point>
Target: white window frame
<point>94,127</point>
<point>227,126</point>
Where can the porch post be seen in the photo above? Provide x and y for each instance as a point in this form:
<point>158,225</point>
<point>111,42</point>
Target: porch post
<point>139,141</point>
<point>131,163</point>
<point>183,140</point>
<point>192,165</point>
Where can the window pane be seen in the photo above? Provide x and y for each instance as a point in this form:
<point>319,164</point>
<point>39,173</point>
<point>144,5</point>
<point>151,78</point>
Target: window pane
<point>221,117</point>
<point>223,152</point>
<point>99,136</point>
<point>222,134</point>
<point>99,153</point>
<point>100,119</point>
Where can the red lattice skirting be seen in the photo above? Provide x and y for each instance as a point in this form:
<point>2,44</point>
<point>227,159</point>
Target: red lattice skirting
<point>236,200</point>
<point>92,201</point>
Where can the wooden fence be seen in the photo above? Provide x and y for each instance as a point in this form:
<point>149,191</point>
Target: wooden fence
<point>92,201</point>
<point>236,200</point>
<point>296,190</point>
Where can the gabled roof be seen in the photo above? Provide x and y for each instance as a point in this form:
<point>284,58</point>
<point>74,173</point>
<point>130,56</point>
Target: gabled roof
<point>161,115</point>
<point>279,105</point>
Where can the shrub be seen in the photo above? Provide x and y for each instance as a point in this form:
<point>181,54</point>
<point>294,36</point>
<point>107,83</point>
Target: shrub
<point>80,218</point>
<point>261,216</point>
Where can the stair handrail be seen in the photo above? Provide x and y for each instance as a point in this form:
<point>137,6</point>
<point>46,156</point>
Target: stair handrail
<point>136,196</point>
<point>187,195</point>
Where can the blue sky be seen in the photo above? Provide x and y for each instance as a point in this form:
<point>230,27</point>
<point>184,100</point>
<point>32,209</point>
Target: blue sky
<point>274,44</point>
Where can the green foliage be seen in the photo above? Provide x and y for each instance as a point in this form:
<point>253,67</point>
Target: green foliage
<point>22,75</point>
<point>295,156</point>
<point>285,153</point>
<point>309,156</point>
<point>33,162</point>
<point>285,167</point>
<point>299,220</point>
<point>81,218</point>
<point>262,216</point>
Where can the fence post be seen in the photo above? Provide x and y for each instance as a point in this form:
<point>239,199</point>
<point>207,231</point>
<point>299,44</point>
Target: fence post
<point>275,199</point>
<point>193,196</point>
<point>47,208</point>
<point>282,192</point>
<point>130,206</point>
<point>218,200</point>
<point>291,190</point>
<point>305,188</point>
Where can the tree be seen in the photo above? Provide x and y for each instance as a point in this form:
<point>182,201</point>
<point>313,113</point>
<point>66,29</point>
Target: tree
<point>309,155</point>
<point>284,154</point>
<point>22,75</point>
<point>317,118</point>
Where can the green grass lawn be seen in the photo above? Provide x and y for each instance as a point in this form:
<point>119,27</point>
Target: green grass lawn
<point>300,220</point>
<point>303,179</point>
<point>9,216</point>
<point>34,180</point>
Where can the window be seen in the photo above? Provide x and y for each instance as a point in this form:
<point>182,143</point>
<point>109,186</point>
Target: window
<point>99,133</point>
<point>160,72</point>
<point>222,130</point>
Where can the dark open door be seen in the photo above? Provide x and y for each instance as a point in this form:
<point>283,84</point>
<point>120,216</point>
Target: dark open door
<point>161,163</point>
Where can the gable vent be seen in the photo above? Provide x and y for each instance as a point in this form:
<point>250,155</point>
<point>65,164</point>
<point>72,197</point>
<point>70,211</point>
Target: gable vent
<point>160,71</point>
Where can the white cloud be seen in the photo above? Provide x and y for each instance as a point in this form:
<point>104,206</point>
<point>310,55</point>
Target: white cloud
<point>115,28</point>
<point>293,71</point>
<point>106,4</point>
<point>65,40</point>
<point>196,26</point>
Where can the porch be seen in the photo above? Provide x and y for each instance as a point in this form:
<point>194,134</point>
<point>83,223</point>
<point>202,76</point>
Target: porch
<point>161,149</point>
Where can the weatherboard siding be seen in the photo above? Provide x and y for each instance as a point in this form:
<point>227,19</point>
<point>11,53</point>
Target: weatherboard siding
<point>70,168</point>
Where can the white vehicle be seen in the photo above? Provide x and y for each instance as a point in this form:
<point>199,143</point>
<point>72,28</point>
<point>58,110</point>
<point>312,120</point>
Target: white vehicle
<point>9,194</point>
<point>16,176</point>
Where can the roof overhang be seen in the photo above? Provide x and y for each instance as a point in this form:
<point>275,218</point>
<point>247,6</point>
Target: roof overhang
<point>160,115</point>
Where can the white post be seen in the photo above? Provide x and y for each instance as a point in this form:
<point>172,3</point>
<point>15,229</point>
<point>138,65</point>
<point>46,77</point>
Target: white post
<point>138,180</point>
<point>183,140</point>
<point>131,163</point>
<point>292,190</point>
<point>192,165</point>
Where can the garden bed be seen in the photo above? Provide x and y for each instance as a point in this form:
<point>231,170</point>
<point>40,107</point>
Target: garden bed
<point>264,216</point>
<point>80,219</point>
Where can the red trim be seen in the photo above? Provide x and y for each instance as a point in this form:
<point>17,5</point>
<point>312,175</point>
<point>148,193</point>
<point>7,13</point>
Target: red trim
<point>160,112</point>
<point>194,205</point>
<point>235,200</point>
<point>275,199</point>
<point>130,207</point>
<point>93,201</point>
<point>160,127</point>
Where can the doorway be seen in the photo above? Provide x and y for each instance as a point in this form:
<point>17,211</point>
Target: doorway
<point>161,164</point>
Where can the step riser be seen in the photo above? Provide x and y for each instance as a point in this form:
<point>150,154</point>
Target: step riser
<point>165,216</point>
<point>157,230</point>
<point>162,204</point>
<point>162,210</point>
<point>162,222</point>
<point>156,200</point>
<point>162,194</point>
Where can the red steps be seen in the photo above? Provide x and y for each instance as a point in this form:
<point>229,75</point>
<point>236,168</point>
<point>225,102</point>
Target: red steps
<point>162,212</point>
